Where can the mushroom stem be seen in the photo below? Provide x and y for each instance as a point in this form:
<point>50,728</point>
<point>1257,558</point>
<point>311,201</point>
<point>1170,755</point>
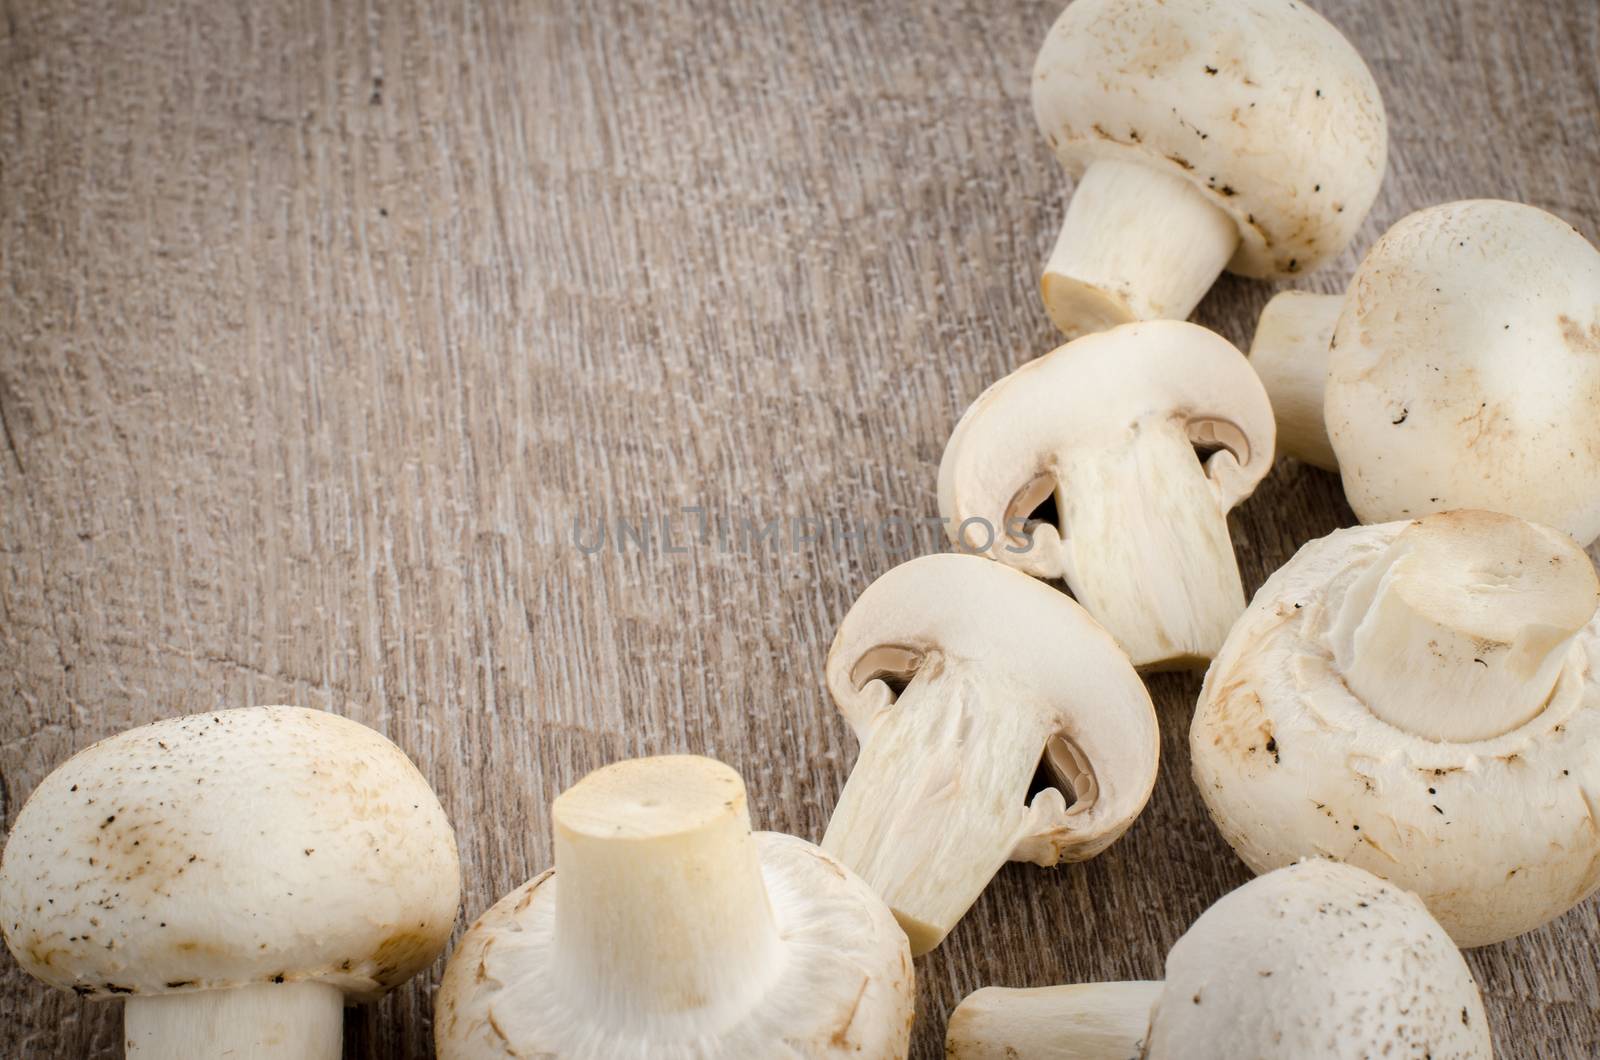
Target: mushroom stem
<point>1092,1021</point>
<point>1290,354</point>
<point>1460,631</point>
<point>1137,244</point>
<point>661,910</point>
<point>1146,546</point>
<point>905,820</point>
<point>303,1021</point>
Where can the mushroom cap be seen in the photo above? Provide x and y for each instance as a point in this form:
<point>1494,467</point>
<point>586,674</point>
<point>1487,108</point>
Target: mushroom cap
<point>1261,104</point>
<point>1002,456</point>
<point>254,845</point>
<point>1317,961</point>
<point>1465,369</point>
<point>1497,836</point>
<point>844,990</point>
<point>1029,640</point>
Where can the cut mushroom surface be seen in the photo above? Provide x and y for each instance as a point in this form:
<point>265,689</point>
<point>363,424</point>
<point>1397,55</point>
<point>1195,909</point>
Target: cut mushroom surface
<point>1460,370</point>
<point>667,929</point>
<point>1419,699</point>
<point>1110,425</point>
<point>1209,134</point>
<point>237,876</point>
<point>1316,961</point>
<point>998,674</point>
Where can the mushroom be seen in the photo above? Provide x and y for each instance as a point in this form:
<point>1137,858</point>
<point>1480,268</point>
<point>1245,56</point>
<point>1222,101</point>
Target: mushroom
<point>1109,425</point>
<point>238,877</point>
<point>668,929</point>
<point>1461,369</point>
<point>1316,961</point>
<point>1420,699</point>
<point>960,678</point>
<point>1245,135</point>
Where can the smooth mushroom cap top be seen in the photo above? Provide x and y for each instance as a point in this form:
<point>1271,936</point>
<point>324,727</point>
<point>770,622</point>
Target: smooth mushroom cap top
<point>1317,960</point>
<point>1465,369</point>
<point>1026,639</point>
<point>1002,457</point>
<point>255,845</point>
<point>1260,104</point>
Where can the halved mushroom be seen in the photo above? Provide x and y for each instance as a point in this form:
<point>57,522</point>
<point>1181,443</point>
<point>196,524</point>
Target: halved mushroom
<point>1316,961</point>
<point>1460,370</point>
<point>996,675</point>
<point>1110,424</point>
<point>1422,700</point>
<point>668,929</point>
<point>1248,136</point>
<point>237,877</point>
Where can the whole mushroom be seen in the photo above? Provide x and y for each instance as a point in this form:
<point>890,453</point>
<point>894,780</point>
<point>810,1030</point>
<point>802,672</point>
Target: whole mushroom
<point>237,877</point>
<point>1316,961</point>
<point>1109,425</point>
<point>1420,699</point>
<point>667,929</point>
<point>1209,134</point>
<point>961,678</point>
<point>1460,370</point>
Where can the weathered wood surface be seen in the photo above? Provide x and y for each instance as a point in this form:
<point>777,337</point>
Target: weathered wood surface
<point>322,322</point>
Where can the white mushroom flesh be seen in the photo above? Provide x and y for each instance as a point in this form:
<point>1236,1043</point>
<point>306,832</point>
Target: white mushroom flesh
<point>1000,674</point>
<point>1110,423</point>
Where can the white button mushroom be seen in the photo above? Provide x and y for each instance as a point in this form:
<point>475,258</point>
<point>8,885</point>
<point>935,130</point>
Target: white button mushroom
<point>1422,700</point>
<point>1316,961</point>
<point>238,876</point>
<point>1110,423</point>
<point>996,673</point>
<point>1210,134</point>
<point>1461,369</point>
<point>667,929</point>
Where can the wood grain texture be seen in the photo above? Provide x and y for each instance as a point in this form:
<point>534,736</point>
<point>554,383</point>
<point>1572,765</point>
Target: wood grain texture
<point>322,321</point>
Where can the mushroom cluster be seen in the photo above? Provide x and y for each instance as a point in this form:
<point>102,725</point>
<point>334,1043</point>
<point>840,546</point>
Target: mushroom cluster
<point>1401,732</point>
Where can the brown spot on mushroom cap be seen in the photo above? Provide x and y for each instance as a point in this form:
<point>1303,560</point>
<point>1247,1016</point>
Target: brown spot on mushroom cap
<point>1579,339</point>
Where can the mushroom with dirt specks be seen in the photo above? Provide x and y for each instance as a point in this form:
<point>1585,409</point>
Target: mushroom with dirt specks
<point>1316,961</point>
<point>1460,370</point>
<point>668,929</point>
<point>998,676</point>
<point>236,876</point>
<point>1109,425</point>
<point>1421,700</point>
<point>1209,134</point>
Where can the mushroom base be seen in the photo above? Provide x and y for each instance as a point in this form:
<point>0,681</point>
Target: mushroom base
<point>1092,1021</point>
<point>266,1021</point>
<point>1137,244</point>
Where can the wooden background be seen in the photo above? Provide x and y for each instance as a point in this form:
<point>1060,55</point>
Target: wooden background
<point>321,321</point>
